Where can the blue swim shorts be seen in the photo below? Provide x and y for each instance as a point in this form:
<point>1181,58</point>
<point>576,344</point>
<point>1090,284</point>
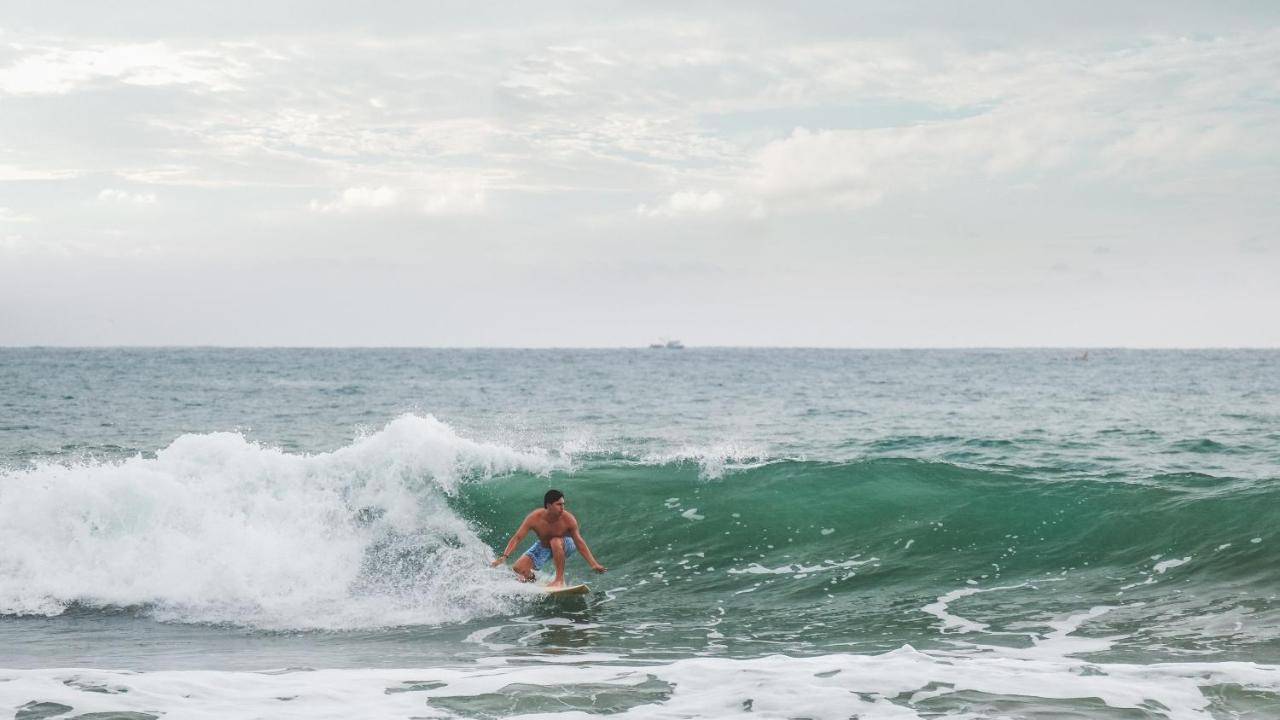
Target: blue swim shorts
<point>540,553</point>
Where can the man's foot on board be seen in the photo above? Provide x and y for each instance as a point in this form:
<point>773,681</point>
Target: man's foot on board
<point>555,584</point>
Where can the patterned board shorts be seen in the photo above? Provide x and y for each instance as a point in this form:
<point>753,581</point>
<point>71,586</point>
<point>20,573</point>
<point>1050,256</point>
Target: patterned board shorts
<point>540,553</point>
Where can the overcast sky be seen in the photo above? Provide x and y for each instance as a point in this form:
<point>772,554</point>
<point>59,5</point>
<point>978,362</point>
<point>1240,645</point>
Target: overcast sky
<point>605,174</point>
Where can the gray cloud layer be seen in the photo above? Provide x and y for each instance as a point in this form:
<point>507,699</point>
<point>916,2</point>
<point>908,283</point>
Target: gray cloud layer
<point>596,174</point>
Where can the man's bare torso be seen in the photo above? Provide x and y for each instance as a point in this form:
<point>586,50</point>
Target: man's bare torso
<point>547,529</point>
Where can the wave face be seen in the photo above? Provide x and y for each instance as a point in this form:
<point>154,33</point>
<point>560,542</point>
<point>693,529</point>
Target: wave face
<point>805,555</point>
<point>217,529</point>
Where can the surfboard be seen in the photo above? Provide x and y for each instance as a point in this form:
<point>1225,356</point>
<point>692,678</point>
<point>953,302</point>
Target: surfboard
<point>566,590</point>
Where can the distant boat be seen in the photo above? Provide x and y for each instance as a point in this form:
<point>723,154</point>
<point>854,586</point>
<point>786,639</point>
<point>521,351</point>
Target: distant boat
<point>667,345</point>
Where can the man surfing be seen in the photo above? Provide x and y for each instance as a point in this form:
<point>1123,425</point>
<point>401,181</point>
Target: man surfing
<point>558,538</point>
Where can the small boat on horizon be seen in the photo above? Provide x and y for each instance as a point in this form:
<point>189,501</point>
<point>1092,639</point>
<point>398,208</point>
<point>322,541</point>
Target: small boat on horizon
<point>667,345</point>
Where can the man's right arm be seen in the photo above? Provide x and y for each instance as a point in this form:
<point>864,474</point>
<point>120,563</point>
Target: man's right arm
<point>515,540</point>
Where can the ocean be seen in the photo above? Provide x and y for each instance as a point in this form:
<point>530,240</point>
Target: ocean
<point>292,533</point>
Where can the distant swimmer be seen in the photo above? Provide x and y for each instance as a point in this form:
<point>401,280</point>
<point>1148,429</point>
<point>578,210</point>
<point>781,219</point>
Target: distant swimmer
<point>558,538</point>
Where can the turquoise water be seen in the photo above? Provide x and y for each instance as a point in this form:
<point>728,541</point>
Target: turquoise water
<point>999,533</point>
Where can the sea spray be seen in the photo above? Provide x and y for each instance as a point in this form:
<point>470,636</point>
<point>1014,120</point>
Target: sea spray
<point>219,529</point>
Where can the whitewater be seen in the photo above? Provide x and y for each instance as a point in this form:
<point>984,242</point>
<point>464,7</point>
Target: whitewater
<point>790,533</point>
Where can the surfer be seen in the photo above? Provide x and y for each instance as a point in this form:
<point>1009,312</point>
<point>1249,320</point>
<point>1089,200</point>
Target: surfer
<point>558,538</point>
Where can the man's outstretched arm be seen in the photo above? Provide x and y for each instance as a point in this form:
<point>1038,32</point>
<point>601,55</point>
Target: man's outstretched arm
<point>515,540</point>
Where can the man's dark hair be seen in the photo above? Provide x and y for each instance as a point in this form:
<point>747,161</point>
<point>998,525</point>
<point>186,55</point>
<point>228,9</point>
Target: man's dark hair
<point>550,497</point>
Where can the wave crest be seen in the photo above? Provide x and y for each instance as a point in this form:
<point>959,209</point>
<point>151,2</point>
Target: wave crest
<point>219,529</point>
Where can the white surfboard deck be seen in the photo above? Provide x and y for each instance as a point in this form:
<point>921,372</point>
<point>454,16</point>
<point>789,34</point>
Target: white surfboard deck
<point>580,589</point>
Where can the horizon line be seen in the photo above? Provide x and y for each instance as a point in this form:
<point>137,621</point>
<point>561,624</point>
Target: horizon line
<point>1081,348</point>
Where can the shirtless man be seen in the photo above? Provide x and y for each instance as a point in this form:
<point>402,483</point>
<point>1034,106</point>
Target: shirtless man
<point>558,538</point>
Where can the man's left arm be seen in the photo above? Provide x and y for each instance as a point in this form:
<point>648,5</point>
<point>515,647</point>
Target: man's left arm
<point>582,548</point>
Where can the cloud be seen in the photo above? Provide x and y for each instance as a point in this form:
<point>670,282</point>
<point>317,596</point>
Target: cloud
<point>858,168</point>
<point>14,172</point>
<point>359,198</point>
<point>438,198</point>
<point>633,103</point>
<point>26,247</point>
<point>558,72</point>
<point>1145,118</point>
<point>885,152</point>
<point>9,215</point>
<point>684,203</point>
<point>58,70</point>
<point>625,107</point>
<point>14,244</point>
<point>454,201</point>
<point>1153,145</point>
<point>124,197</point>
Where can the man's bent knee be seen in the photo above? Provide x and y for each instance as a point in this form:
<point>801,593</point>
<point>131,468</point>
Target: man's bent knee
<point>524,568</point>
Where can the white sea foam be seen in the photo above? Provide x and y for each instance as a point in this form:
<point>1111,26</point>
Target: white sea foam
<point>896,685</point>
<point>940,608</point>
<point>799,569</point>
<point>714,461</point>
<point>1061,642</point>
<point>219,529</point>
<point>954,623</point>
<point>1161,567</point>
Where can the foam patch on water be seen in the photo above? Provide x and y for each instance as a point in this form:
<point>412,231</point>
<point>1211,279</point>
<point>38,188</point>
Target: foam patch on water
<point>1061,642</point>
<point>219,529</point>
<point>951,623</point>
<point>802,570</point>
<point>896,685</point>
<point>1161,567</point>
<point>954,623</point>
